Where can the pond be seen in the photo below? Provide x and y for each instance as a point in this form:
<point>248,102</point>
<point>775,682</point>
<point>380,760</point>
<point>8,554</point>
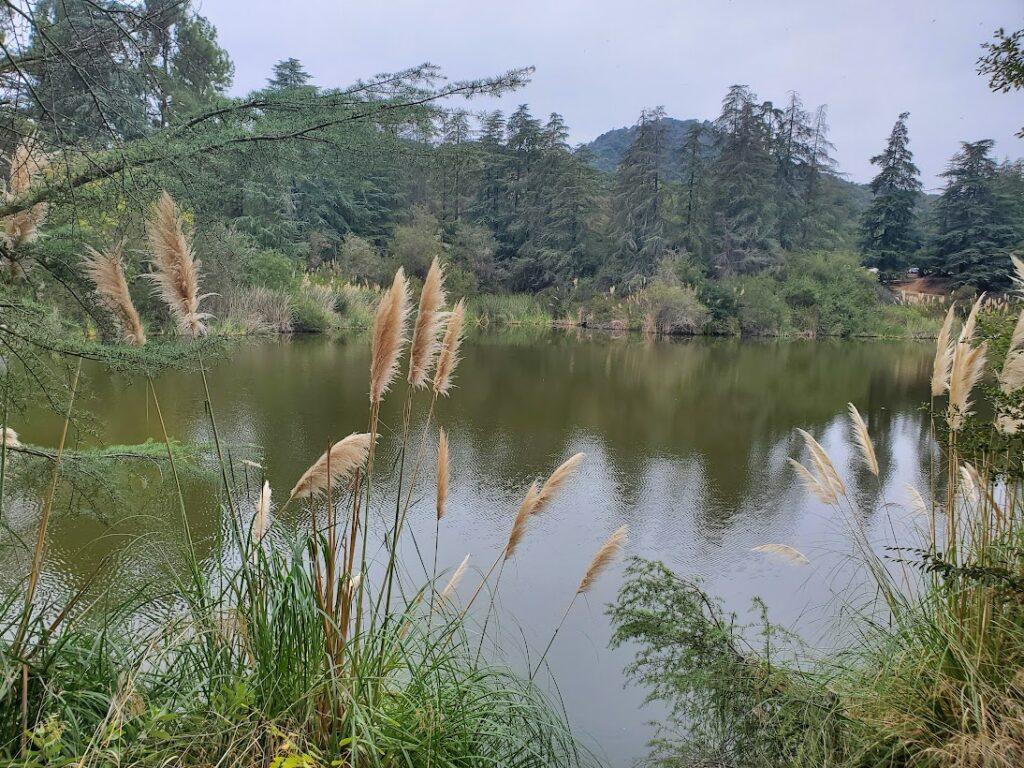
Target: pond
<point>686,443</point>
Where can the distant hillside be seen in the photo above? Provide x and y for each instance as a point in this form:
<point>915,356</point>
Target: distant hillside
<point>608,148</point>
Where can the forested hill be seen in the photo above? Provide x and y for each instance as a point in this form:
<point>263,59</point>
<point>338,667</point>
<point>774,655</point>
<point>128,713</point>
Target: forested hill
<point>607,149</point>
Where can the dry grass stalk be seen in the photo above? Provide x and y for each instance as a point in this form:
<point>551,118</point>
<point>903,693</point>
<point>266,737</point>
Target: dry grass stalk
<point>819,488</point>
<point>1011,377</point>
<point>917,502</point>
<point>177,270</point>
<point>863,437</point>
<point>557,479</point>
<point>456,577</point>
<point>448,358</point>
<point>1017,339</point>
<point>442,473</point>
<point>1018,268</point>
<point>970,481</point>
<point>388,336</point>
<point>261,520</point>
<point>943,355</point>
<point>106,270</point>
<point>967,332</point>
<point>426,341</point>
<point>27,164</point>
<point>784,551</point>
<point>826,470</point>
<point>522,517</point>
<point>603,559</point>
<point>9,437</point>
<point>968,368</point>
<point>344,458</point>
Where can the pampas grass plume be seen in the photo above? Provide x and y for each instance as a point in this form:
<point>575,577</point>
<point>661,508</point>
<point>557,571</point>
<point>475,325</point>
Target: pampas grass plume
<point>860,433</point>
<point>106,270</point>
<point>442,473</point>
<point>388,336</point>
<point>603,559</point>
<point>344,458</point>
<point>448,358</point>
<point>426,342</point>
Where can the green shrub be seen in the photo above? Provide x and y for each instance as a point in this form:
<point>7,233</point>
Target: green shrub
<point>269,269</point>
<point>675,309</point>
<point>313,309</point>
<point>762,311</point>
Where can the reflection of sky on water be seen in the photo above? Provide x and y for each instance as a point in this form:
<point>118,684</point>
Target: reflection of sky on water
<point>687,443</point>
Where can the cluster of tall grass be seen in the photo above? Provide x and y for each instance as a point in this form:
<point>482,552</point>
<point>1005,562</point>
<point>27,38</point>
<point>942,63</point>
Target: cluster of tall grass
<point>509,309</point>
<point>933,676</point>
<point>301,646</point>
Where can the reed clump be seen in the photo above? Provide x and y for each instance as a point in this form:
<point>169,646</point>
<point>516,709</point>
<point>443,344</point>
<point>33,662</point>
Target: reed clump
<point>933,675</point>
<point>299,646</point>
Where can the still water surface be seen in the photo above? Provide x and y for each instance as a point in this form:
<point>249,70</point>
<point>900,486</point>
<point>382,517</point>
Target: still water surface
<point>686,442</point>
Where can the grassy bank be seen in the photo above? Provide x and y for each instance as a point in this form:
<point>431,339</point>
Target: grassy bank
<point>307,646</point>
<point>933,674</point>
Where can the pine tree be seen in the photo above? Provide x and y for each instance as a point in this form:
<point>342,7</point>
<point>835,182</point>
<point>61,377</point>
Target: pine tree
<point>288,73</point>
<point>693,200</point>
<point>889,227</point>
<point>454,160</point>
<point>791,140</point>
<point>815,163</point>
<point>975,222</point>
<point>639,223</point>
<point>745,215</point>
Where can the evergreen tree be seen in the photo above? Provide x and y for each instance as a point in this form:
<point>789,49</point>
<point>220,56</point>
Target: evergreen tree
<point>889,229</point>
<point>95,98</point>
<point>745,216</point>
<point>288,73</point>
<point>185,68</point>
<point>816,162</point>
<point>638,223</point>
<point>975,222</point>
<point>693,200</point>
<point>454,159</point>
<point>791,134</point>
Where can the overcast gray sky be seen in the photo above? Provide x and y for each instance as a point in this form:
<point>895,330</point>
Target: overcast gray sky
<point>600,62</point>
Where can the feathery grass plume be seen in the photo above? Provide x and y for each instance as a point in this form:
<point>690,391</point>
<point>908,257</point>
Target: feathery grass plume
<point>1007,424</point>
<point>969,482</point>
<point>784,551</point>
<point>863,437</point>
<point>522,516</point>
<point>1017,338</point>
<point>1018,267</point>
<point>826,470</point>
<point>345,457</point>
<point>9,437</point>
<point>442,473</point>
<point>968,368</point>
<point>388,336</point>
<point>261,520</point>
<point>177,270</point>
<point>971,323</point>
<point>106,270</point>
<point>917,502</point>
<point>448,358</point>
<point>27,163</point>
<point>603,559</point>
<point>557,479</point>
<point>820,489</point>
<point>943,354</point>
<point>1011,378</point>
<point>453,582</point>
<point>426,341</point>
